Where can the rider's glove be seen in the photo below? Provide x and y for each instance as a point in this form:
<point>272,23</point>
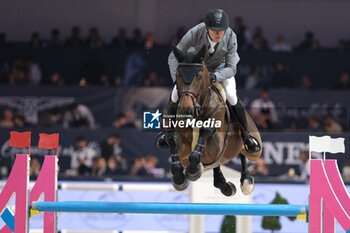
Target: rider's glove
<point>212,78</point>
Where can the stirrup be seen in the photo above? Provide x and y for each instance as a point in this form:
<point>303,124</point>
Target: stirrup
<point>251,144</point>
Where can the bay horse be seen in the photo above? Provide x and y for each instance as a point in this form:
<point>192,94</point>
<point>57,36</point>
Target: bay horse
<point>213,146</point>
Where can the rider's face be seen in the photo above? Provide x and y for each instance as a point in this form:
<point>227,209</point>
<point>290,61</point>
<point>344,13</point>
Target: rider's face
<point>216,36</point>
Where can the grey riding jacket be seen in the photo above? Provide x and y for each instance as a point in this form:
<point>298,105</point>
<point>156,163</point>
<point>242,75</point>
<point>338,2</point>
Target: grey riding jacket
<point>223,62</point>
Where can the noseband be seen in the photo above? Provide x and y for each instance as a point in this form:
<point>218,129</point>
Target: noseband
<point>194,96</point>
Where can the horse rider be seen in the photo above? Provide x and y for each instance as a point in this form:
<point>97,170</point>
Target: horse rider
<point>221,60</point>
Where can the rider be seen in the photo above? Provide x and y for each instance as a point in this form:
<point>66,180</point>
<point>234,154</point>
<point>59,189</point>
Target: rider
<point>221,60</point>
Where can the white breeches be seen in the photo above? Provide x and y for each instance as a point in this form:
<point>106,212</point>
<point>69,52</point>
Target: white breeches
<point>229,86</point>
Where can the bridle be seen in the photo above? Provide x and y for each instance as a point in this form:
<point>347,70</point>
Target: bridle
<point>194,96</point>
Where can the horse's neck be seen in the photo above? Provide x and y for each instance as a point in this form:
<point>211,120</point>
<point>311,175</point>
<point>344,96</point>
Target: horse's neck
<point>205,96</point>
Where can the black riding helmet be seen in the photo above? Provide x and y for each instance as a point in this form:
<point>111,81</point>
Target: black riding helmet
<point>216,20</point>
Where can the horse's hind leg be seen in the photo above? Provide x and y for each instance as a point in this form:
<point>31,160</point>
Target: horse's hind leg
<point>227,188</point>
<point>247,181</point>
<point>195,168</point>
<point>179,179</point>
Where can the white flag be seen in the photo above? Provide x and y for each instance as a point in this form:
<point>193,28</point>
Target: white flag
<point>326,144</point>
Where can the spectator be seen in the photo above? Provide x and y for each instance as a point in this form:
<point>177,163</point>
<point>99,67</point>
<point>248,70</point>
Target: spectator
<point>281,77</point>
<point>306,83</point>
<point>259,43</point>
<point>308,41</point>
<point>99,167</point>
<point>74,41</point>
<point>34,168</point>
<point>104,80</point>
<point>56,79</point>
<point>78,115</point>
<point>112,168</point>
<point>315,46</point>
<point>19,74</point>
<point>151,166</point>
<point>35,40</point>
<point>7,121</point>
<point>281,45</point>
<point>292,127</point>
<point>34,71</point>
<point>242,33</point>
<point>313,124</point>
<point>136,40</point>
<point>263,111</point>
<point>117,166</point>
<point>18,120</point>
<point>149,43</point>
<point>304,165</point>
<point>259,168</point>
<point>51,118</point>
<point>121,40</point>
<point>342,46</point>
<point>153,80</point>
<point>343,81</point>
<point>118,81</point>
<point>82,157</point>
<point>331,125</point>
<point>54,41</point>
<point>138,167</point>
<point>94,40</point>
<point>124,120</point>
<point>93,69</point>
<point>111,146</point>
<point>253,79</point>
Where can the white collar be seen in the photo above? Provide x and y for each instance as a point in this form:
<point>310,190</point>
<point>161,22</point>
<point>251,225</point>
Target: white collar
<point>212,44</point>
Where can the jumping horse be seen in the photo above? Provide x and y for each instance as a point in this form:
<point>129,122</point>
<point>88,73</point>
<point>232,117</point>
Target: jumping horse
<point>210,147</point>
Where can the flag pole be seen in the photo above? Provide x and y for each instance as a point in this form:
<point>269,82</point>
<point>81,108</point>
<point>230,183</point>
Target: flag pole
<point>324,156</point>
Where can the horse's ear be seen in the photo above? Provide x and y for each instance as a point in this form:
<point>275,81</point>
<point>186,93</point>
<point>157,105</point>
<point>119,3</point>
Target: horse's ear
<point>180,56</point>
<point>201,54</point>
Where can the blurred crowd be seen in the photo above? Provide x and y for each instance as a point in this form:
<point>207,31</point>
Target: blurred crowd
<point>263,111</point>
<point>28,71</point>
<point>247,38</point>
<point>72,116</point>
<point>106,159</point>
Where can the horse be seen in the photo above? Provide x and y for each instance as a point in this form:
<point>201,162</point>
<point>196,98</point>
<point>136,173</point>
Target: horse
<point>195,149</point>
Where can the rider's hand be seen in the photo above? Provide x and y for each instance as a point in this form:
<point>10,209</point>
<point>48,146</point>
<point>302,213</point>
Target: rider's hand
<point>212,78</point>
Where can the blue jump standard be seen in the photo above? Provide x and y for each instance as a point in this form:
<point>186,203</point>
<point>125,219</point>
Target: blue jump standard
<point>171,208</point>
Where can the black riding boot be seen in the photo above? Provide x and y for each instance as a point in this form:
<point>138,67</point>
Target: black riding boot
<point>161,141</point>
<point>250,143</point>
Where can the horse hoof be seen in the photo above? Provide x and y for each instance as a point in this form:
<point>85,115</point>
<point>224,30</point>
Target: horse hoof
<point>229,189</point>
<point>182,186</point>
<point>196,175</point>
<point>247,186</point>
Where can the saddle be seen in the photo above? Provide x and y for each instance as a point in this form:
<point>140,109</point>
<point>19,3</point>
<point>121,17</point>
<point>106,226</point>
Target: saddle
<point>220,90</point>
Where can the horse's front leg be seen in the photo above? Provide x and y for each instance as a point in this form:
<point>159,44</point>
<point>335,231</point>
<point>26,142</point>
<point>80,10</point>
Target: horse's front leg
<point>227,188</point>
<point>247,181</point>
<point>179,179</point>
<point>195,168</point>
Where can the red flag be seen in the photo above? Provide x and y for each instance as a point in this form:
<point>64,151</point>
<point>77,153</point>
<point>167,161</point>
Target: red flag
<point>48,141</point>
<point>18,139</point>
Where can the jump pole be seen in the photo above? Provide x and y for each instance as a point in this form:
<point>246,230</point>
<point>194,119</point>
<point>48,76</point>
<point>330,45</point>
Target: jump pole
<point>171,208</point>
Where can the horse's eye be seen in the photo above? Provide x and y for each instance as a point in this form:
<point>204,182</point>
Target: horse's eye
<point>200,76</point>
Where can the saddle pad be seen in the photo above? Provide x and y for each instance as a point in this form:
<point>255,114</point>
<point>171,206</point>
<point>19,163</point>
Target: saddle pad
<point>221,90</point>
